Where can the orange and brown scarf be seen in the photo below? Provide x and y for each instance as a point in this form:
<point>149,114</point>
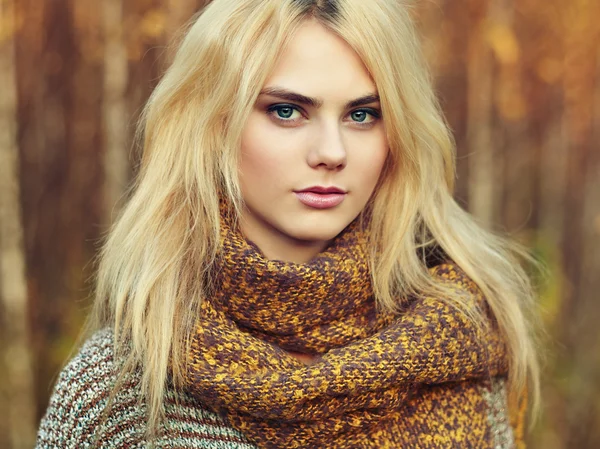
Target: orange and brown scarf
<point>416,379</point>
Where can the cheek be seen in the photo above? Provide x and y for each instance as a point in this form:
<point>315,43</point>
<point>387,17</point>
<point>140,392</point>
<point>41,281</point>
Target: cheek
<point>263,160</point>
<point>256,162</point>
<point>373,154</point>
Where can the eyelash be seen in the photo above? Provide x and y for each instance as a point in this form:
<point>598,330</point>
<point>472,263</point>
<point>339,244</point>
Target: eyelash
<point>273,108</point>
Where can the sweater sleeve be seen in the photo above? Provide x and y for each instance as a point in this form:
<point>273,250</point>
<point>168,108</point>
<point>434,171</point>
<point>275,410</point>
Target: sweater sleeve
<point>79,396</point>
<point>76,418</point>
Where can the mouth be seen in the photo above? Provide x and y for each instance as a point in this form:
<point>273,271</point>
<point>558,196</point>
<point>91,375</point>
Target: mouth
<point>322,190</point>
<point>319,197</point>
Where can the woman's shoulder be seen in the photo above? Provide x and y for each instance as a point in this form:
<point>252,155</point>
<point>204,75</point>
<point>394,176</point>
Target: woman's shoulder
<point>92,368</point>
<point>76,415</point>
<point>81,390</point>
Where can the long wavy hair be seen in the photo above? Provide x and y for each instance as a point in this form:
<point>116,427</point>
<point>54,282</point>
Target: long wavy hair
<point>153,269</point>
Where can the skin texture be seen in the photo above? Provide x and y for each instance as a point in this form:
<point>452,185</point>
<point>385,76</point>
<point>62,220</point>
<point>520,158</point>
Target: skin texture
<point>288,146</point>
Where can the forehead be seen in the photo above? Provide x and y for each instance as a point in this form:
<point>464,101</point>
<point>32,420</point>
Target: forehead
<point>317,62</point>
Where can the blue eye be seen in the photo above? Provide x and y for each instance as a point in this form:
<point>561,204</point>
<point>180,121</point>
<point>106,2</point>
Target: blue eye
<point>284,112</point>
<point>365,117</point>
<point>359,116</point>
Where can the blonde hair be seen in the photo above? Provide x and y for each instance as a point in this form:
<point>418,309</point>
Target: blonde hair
<point>154,264</point>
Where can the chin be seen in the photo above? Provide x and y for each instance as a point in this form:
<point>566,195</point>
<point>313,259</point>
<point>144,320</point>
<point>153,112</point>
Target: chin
<point>316,232</point>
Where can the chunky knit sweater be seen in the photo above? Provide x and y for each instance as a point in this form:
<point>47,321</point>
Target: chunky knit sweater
<point>83,388</point>
<point>82,392</point>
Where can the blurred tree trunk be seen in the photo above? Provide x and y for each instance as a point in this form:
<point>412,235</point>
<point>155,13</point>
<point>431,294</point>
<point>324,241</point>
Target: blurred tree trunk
<point>580,239</point>
<point>512,137</point>
<point>18,377</point>
<point>41,84</point>
<point>541,53</point>
<point>590,277</point>
<point>59,79</point>
<point>480,75</point>
<point>448,31</point>
<point>144,28</point>
<point>114,108</point>
<point>579,69</point>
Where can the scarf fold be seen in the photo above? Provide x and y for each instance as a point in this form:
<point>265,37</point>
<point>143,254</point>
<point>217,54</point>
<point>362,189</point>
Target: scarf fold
<point>372,363</point>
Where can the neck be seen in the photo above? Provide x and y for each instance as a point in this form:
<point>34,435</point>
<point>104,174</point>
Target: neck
<point>274,245</point>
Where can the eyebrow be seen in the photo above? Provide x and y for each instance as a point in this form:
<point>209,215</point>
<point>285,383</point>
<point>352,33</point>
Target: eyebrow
<point>288,95</point>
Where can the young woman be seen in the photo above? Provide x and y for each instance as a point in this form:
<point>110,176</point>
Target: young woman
<point>292,270</point>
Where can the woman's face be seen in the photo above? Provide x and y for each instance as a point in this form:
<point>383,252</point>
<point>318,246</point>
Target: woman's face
<point>312,149</point>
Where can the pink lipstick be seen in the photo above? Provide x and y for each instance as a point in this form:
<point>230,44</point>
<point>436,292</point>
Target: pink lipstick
<point>319,197</point>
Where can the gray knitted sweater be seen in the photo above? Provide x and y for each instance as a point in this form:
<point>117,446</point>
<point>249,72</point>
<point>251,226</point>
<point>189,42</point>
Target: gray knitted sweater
<point>81,394</point>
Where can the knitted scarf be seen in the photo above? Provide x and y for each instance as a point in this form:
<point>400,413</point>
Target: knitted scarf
<point>371,362</point>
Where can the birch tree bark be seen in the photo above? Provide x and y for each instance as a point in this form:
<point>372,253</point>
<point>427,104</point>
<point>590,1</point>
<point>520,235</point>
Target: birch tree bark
<point>13,285</point>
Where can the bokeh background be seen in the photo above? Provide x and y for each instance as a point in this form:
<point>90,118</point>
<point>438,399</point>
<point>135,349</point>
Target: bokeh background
<point>519,81</point>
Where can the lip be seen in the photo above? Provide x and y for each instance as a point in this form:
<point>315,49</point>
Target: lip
<point>321,189</point>
<point>319,197</point>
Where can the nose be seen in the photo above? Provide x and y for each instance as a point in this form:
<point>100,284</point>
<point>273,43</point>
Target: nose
<point>328,149</point>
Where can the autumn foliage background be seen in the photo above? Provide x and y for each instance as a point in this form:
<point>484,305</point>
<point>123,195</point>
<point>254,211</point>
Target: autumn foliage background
<point>520,84</point>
